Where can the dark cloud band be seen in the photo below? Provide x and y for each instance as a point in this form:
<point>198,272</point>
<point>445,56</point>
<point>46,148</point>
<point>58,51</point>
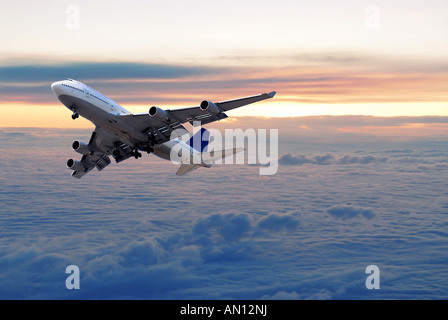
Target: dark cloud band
<point>106,70</point>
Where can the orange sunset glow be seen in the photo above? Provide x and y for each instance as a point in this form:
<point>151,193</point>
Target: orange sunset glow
<point>371,61</point>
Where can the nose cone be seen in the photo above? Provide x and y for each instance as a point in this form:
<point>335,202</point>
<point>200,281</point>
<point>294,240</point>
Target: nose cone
<point>56,87</point>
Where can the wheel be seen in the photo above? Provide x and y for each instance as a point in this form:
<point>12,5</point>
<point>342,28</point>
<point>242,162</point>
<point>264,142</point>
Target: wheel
<point>149,149</point>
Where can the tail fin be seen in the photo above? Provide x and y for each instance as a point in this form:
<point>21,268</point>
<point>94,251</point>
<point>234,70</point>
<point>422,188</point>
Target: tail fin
<point>199,141</point>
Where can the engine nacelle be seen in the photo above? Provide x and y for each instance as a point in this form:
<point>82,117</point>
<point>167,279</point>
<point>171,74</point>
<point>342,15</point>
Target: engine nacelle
<point>210,107</point>
<point>156,112</point>
<point>75,165</point>
<point>81,147</point>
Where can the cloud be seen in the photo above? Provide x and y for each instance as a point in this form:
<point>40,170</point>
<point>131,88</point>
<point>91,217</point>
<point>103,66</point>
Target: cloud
<point>224,233</point>
<point>350,59</point>
<point>278,223</point>
<point>328,159</point>
<point>133,82</point>
<point>360,160</point>
<point>230,237</point>
<point>282,295</point>
<point>16,135</point>
<point>230,227</point>
<point>350,212</point>
<point>100,70</point>
<point>31,82</point>
<point>139,253</point>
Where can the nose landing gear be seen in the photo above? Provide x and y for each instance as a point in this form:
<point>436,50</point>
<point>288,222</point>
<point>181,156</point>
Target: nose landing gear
<point>75,114</point>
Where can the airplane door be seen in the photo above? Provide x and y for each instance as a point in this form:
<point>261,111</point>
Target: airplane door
<point>87,94</point>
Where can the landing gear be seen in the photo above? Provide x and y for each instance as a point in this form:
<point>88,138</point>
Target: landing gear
<point>149,149</point>
<point>117,155</point>
<point>136,154</point>
<point>75,114</point>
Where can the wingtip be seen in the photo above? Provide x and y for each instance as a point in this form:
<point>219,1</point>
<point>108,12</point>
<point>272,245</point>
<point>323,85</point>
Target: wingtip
<point>272,94</point>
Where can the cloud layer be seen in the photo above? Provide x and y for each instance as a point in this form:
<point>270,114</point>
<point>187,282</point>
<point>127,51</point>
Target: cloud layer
<point>138,231</point>
<point>349,212</point>
<point>100,70</point>
<point>328,159</point>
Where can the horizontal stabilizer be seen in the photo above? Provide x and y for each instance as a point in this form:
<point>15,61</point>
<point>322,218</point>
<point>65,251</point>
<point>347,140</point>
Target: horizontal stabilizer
<point>186,168</point>
<point>209,157</point>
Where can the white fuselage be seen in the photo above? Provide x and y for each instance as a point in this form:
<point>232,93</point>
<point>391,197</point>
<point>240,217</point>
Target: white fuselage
<point>105,113</point>
<point>78,90</point>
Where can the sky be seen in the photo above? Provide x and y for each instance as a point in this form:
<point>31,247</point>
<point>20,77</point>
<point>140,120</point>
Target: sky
<point>382,58</point>
<point>362,117</point>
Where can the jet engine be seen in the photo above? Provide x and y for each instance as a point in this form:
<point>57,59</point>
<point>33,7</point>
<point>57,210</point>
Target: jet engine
<point>75,165</point>
<point>81,147</point>
<point>158,113</point>
<point>210,107</point>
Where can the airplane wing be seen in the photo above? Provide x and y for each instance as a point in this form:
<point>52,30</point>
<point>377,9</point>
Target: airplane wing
<point>159,128</point>
<point>206,116</point>
<point>154,129</point>
<point>100,146</point>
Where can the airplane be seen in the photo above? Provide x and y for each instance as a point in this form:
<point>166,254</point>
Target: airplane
<point>122,134</point>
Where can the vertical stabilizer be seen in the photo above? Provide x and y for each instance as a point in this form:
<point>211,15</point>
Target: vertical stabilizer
<point>199,141</point>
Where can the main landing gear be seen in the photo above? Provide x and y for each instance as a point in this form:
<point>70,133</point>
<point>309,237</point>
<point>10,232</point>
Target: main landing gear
<point>117,155</point>
<point>149,149</point>
<point>136,154</point>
